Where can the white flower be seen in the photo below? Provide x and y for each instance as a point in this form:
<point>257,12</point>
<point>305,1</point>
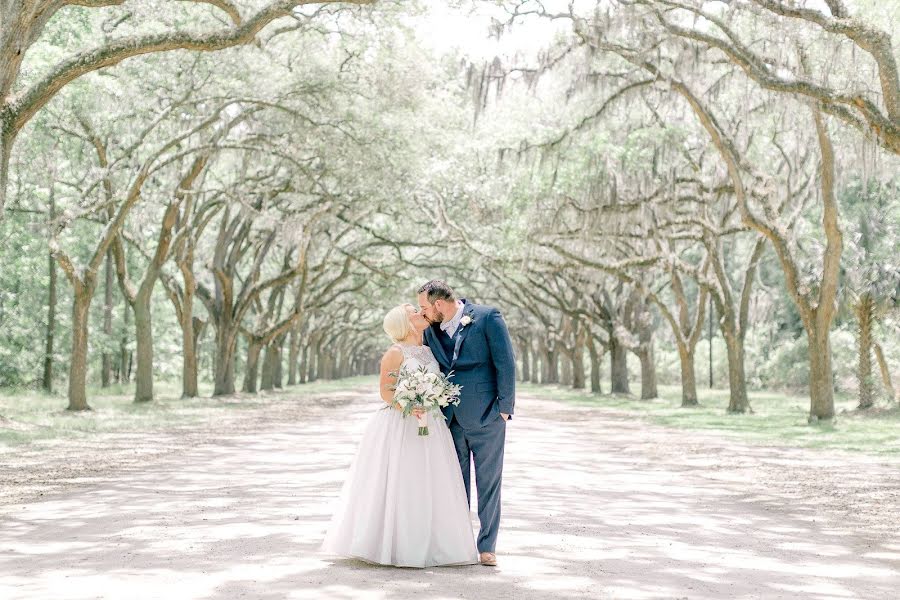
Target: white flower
<point>465,320</point>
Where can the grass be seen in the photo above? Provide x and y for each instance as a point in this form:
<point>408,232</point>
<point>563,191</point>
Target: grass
<point>776,418</point>
<point>28,416</point>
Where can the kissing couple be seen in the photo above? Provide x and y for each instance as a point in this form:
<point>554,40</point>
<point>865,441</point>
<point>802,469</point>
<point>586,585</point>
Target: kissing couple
<point>407,497</point>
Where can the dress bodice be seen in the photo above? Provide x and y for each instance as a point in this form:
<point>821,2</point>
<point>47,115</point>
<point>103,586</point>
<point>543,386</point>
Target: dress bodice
<point>416,357</point>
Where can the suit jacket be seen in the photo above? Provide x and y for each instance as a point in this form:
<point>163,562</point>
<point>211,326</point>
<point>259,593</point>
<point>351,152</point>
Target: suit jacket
<point>483,363</point>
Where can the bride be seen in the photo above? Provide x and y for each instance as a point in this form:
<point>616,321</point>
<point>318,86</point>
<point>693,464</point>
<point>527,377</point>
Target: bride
<point>403,502</point>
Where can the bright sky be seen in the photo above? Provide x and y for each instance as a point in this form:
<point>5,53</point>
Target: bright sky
<point>469,29</point>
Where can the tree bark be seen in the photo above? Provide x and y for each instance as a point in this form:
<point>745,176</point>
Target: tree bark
<point>268,369</point>
<point>279,362</point>
<point>738,401</point>
<point>81,305</point>
<point>865,316</point>
<point>578,375</point>
<point>190,331</point>
<point>649,389</point>
<point>223,377</point>
<point>144,343</point>
<point>618,362</point>
<point>107,356</point>
<point>535,367</point>
<point>565,359</point>
<point>688,376</point>
<point>885,372</point>
<point>313,362</point>
<point>304,363</point>
<point>821,377</point>
<point>524,352</point>
<point>545,362</point>
<point>251,372</point>
<point>596,366</point>
<point>552,365</point>
<point>124,353</point>
<point>293,354</point>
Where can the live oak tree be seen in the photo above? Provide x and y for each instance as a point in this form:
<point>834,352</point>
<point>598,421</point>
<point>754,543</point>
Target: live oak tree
<point>684,62</point>
<point>24,25</point>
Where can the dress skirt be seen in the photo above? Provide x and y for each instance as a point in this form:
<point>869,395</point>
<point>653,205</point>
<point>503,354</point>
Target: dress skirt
<point>403,502</point>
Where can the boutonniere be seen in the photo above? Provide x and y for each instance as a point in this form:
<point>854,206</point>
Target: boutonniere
<point>465,320</point>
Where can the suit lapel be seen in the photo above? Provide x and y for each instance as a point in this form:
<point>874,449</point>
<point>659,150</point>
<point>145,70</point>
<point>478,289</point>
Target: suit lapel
<point>461,334</point>
<point>437,347</point>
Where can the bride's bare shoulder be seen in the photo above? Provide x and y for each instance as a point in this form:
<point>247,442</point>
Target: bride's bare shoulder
<point>393,354</point>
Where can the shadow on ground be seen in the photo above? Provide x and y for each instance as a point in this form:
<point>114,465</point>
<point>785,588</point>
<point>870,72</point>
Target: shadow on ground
<point>593,508</point>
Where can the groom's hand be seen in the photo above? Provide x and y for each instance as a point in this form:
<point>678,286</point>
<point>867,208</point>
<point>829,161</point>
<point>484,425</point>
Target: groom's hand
<point>505,416</point>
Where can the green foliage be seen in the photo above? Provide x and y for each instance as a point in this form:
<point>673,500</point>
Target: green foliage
<point>23,301</point>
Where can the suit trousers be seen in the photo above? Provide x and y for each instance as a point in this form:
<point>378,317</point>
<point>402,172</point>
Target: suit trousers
<point>484,446</point>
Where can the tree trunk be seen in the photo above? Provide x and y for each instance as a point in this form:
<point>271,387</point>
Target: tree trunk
<point>268,369</point>
<point>566,376</point>
<point>47,380</point>
<point>251,372</point>
<point>738,402</point>
<point>552,366</point>
<point>821,379</point>
<point>535,367</point>
<point>618,362</point>
<point>345,364</point>
<point>189,368</point>
<point>124,353</point>
<point>595,366</point>
<point>688,377</point>
<point>648,372</point>
<point>224,365</point>
<point>293,355</point>
<point>107,356</point>
<point>323,368</point>
<point>526,366</point>
<point>865,316</point>
<point>885,372</point>
<point>578,375</point>
<point>312,363</point>
<point>81,305</point>
<point>304,363</point>
<point>279,362</point>
<point>144,340</point>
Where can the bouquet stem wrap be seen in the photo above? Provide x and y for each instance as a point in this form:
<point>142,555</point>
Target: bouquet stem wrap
<point>423,424</point>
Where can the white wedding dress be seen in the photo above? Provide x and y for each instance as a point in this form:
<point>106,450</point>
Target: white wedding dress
<point>403,502</point>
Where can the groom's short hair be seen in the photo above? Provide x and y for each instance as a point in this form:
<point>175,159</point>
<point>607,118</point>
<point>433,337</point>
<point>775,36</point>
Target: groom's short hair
<point>437,289</point>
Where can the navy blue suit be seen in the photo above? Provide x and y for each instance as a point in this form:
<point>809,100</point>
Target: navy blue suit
<point>480,357</point>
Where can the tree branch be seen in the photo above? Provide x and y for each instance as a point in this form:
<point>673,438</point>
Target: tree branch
<point>42,91</point>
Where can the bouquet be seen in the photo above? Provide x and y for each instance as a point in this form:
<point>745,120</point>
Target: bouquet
<point>421,389</point>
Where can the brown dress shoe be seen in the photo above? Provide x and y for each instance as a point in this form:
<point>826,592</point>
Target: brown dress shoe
<point>489,559</point>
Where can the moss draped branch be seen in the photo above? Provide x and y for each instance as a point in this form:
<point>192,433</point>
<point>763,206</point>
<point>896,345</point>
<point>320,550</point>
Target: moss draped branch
<point>42,91</point>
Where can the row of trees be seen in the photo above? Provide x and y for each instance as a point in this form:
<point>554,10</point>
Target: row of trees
<point>711,144</point>
<point>665,168</point>
<point>239,183</point>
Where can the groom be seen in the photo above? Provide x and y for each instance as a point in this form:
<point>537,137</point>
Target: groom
<point>472,341</point>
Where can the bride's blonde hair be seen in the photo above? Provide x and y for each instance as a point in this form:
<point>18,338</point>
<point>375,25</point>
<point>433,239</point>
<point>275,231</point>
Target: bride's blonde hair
<point>396,323</point>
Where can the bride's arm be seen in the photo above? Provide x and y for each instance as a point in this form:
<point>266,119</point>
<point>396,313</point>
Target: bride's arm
<point>390,364</point>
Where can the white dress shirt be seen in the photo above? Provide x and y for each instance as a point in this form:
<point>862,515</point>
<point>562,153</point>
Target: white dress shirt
<point>450,327</point>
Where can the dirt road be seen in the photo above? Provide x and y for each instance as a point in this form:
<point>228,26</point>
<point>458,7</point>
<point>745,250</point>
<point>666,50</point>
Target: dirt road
<point>595,505</point>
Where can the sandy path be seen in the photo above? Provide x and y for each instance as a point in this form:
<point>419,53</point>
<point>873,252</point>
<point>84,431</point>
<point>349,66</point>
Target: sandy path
<point>595,506</point>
